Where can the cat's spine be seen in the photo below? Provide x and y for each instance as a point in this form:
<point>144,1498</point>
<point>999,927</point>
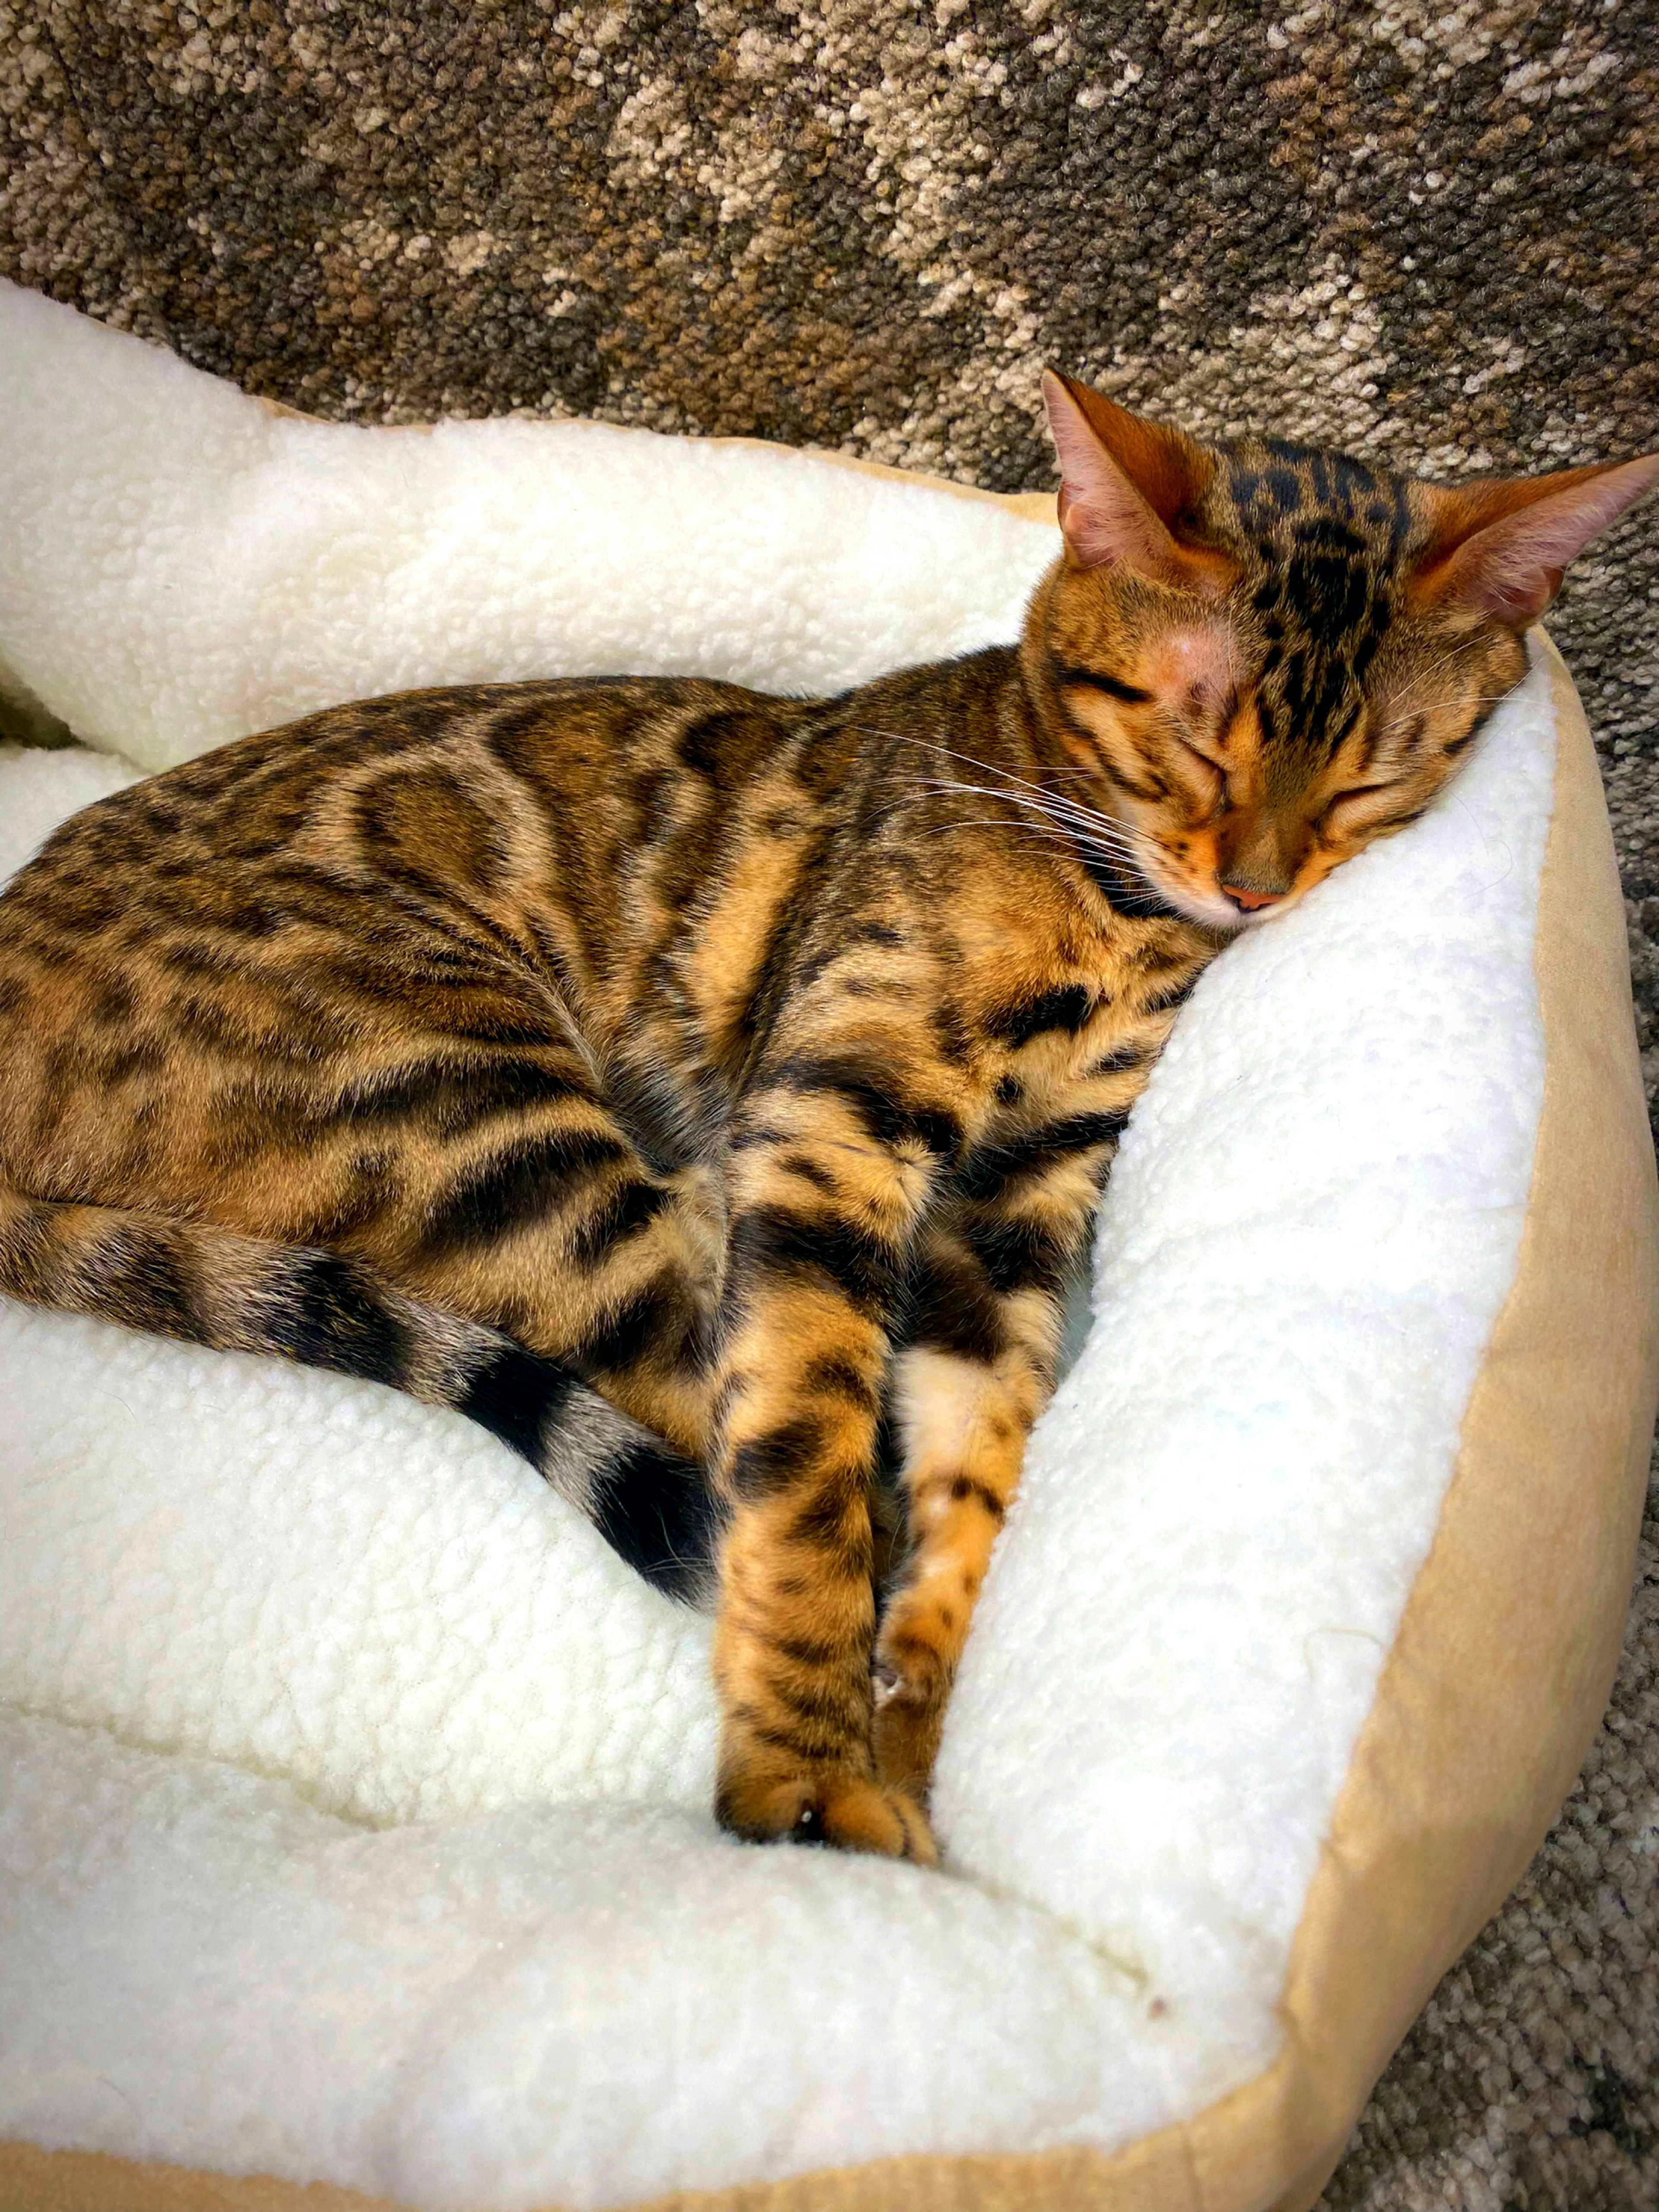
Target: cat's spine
<point>209,1285</point>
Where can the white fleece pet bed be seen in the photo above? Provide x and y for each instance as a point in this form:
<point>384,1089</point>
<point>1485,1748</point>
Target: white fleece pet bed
<point>356,1823</point>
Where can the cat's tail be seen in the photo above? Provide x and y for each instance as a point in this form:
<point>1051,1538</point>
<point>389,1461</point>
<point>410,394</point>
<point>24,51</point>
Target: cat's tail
<point>210,1285</point>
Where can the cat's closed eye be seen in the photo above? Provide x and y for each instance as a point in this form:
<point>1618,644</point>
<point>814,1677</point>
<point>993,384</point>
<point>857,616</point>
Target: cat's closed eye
<point>1364,803</point>
<point>1206,777</point>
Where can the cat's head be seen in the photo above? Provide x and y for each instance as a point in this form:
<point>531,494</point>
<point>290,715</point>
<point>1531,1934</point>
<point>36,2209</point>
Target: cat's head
<point>1260,657</point>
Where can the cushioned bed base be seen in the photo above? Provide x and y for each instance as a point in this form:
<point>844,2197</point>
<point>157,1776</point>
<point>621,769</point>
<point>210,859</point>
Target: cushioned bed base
<point>1490,1698</point>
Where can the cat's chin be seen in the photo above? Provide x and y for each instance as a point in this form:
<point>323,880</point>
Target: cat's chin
<point>1210,909</point>
<point>1219,913</point>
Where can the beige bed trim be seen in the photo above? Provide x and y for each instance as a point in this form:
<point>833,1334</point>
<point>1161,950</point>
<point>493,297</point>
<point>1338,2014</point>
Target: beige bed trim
<point>1028,506</point>
<point>1490,1699</point>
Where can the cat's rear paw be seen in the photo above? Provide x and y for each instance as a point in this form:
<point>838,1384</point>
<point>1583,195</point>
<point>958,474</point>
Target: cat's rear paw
<point>846,1810</point>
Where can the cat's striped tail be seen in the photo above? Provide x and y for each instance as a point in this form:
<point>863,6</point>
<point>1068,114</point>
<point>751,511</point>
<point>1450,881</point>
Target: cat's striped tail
<point>210,1285</point>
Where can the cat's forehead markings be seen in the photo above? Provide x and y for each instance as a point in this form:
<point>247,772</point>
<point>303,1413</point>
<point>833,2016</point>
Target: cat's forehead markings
<point>1272,484</point>
<point>1324,534</point>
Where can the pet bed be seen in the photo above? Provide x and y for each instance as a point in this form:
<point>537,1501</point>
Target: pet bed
<point>356,1826</point>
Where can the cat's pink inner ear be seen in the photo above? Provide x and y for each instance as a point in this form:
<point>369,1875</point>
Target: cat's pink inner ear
<point>1106,516</point>
<point>1500,550</point>
<point>1103,518</point>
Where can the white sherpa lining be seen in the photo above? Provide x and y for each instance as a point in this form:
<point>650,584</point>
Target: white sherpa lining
<point>356,1827</point>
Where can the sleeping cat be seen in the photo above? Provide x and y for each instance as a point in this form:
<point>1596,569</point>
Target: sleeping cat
<point>712,1093</point>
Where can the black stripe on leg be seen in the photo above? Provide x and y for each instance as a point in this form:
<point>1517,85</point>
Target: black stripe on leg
<point>956,1309</point>
<point>516,1395</point>
<point>810,1650</point>
<point>867,1087</point>
<point>1123,1057</point>
<point>822,1717</point>
<point>964,1486</point>
<point>1177,994</point>
<point>770,1240</point>
<point>833,1520</point>
<point>771,1462</point>
<point>834,1376</point>
<point>1018,1256</point>
<point>657,1511</point>
<point>1067,1008</point>
<point>989,1171</point>
<point>657,1320</point>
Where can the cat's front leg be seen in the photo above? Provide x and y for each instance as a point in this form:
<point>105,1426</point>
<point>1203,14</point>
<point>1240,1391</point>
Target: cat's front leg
<point>987,1316</point>
<point>824,1216</point>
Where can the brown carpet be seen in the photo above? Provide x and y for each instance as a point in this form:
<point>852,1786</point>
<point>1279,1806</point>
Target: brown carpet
<point>1424,231</point>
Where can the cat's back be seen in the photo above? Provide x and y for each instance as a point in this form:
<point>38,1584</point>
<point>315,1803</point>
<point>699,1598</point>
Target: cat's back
<point>280,909</point>
<point>353,782</point>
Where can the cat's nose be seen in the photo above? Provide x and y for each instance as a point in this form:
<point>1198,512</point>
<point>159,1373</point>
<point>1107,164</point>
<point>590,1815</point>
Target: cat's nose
<point>1248,900</point>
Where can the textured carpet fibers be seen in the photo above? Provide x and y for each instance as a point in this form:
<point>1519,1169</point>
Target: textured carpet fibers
<point>1425,231</point>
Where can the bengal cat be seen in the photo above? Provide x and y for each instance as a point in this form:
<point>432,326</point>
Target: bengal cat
<point>712,1093</point>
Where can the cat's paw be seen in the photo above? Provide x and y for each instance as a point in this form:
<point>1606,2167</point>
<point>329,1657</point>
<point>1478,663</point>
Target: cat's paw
<point>905,1735</point>
<point>911,1685</point>
<point>846,1810</point>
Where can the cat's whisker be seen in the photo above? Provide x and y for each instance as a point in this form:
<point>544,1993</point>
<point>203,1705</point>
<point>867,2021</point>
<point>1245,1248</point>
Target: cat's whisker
<point>1052,841</point>
<point>1078,820</point>
<point>1018,792</point>
<point>1023,808</point>
<point>1055,835</point>
<point>1409,715</point>
<point>1081,821</point>
<point>1475,699</point>
<point>969,760</point>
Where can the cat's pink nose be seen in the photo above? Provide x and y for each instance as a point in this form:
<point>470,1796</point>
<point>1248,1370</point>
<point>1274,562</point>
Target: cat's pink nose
<point>1249,900</point>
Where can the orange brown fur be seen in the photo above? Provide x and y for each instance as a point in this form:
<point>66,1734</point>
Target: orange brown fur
<point>702,1089</point>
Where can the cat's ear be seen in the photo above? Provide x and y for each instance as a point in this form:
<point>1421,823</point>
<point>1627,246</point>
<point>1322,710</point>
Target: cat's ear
<point>1123,482</point>
<point>1499,549</point>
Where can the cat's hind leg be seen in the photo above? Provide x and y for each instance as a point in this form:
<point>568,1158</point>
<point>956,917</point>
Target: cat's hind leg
<point>551,1226</point>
